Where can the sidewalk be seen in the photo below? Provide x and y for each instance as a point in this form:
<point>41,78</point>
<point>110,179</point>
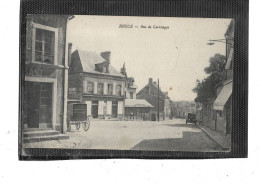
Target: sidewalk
<point>221,139</point>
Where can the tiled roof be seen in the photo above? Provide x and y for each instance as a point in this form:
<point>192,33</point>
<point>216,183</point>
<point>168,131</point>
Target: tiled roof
<point>137,103</point>
<point>89,59</point>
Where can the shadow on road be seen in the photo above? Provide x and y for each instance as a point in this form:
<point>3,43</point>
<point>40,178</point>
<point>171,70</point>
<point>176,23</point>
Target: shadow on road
<point>191,141</point>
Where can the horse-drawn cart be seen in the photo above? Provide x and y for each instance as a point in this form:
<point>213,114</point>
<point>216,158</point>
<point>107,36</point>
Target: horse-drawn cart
<point>78,117</point>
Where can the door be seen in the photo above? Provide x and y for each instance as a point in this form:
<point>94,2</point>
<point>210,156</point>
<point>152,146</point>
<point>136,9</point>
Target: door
<point>45,109</point>
<point>228,117</point>
<point>38,105</point>
<point>32,104</point>
<point>114,109</point>
<point>94,109</point>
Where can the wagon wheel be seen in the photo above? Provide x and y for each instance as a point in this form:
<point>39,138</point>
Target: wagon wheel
<point>77,126</point>
<point>68,124</point>
<point>86,124</point>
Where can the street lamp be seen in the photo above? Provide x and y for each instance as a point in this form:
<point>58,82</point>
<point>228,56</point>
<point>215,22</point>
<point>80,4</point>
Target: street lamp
<point>212,42</point>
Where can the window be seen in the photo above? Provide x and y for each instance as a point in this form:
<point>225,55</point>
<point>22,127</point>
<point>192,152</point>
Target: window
<point>220,113</point>
<point>45,44</point>
<point>131,95</point>
<point>90,88</point>
<point>100,88</point>
<point>110,89</point>
<point>72,90</point>
<point>118,90</point>
<point>104,69</point>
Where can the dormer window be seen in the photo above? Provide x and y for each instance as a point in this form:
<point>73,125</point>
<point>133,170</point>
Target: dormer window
<point>104,69</point>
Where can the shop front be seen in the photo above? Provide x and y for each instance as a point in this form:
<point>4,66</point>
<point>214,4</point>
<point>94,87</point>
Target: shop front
<point>223,107</point>
<point>103,107</point>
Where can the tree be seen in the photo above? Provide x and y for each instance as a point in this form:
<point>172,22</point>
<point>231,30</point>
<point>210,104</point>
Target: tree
<point>207,87</point>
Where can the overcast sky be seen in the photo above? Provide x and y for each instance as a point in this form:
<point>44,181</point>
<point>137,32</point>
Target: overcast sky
<point>177,56</point>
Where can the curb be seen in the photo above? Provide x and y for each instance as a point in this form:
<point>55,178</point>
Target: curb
<point>212,138</point>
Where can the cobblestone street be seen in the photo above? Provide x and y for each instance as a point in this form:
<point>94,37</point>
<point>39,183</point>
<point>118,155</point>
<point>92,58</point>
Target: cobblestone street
<point>172,135</point>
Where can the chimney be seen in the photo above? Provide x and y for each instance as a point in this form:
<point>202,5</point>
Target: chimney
<point>106,55</point>
<point>150,81</point>
<point>69,53</point>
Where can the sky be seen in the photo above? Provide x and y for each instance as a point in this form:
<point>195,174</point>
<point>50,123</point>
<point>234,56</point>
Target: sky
<point>177,53</point>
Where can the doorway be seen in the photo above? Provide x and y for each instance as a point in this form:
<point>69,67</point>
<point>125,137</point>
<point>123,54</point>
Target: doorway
<point>38,105</point>
<point>114,109</point>
<point>94,109</point>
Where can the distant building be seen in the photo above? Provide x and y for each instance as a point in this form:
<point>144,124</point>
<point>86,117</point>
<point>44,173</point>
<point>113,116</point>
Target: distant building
<point>150,94</point>
<point>180,109</point>
<point>94,81</point>
<point>130,86</point>
<point>135,109</point>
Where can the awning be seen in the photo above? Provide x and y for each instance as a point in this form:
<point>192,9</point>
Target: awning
<point>223,97</point>
<point>230,56</point>
<point>137,103</point>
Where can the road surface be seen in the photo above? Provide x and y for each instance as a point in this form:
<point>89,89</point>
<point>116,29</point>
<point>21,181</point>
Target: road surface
<point>172,135</point>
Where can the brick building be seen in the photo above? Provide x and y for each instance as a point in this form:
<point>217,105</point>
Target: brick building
<point>150,94</point>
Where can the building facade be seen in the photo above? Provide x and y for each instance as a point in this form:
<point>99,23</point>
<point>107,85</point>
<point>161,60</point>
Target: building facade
<point>46,73</point>
<point>223,103</point>
<point>135,109</point>
<point>93,81</point>
<point>150,94</point>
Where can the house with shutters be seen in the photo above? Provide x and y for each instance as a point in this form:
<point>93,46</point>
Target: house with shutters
<point>95,82</point>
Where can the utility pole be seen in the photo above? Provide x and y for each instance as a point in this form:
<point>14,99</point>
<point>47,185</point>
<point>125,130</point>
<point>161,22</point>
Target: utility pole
<point>158,114</point>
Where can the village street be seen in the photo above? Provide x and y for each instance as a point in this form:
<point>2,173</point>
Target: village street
<point>171,135</point>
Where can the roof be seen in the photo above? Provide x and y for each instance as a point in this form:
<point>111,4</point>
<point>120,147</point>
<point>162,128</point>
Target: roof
<point>137,103</point>
<point>230,27</point>
<point>133,86</point>
<point>89,59</point>
<point>146,89</point>
<point>223,96</point>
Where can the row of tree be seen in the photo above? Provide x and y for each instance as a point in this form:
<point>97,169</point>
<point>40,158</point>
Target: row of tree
<point>206,88</point>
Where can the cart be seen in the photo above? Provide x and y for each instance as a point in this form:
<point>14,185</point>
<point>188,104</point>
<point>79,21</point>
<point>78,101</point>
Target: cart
<point>79,117</point>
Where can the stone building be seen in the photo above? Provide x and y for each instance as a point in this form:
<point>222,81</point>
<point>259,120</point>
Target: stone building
<point>44,103</point>
<point>95,82</point>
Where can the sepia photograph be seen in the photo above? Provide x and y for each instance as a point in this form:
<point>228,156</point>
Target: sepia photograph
<point>128,83</point>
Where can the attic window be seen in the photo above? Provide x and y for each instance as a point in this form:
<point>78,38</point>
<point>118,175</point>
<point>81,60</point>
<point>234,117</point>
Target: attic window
<point>104,69</point>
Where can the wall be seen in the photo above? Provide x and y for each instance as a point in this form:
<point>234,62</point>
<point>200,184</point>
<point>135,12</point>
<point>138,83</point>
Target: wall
<point>57,21</point>
<point>128,90</point>
<point>167,108</point>
<point>137,114</point>
<point>89,78</point>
